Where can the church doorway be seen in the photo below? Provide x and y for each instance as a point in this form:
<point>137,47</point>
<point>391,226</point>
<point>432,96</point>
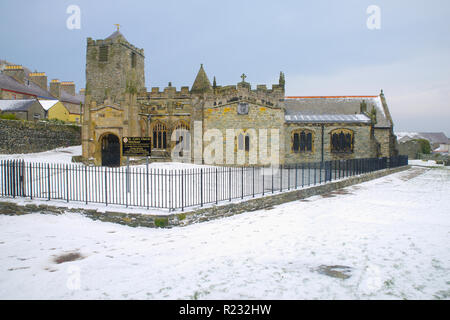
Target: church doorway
<point>110,151</point>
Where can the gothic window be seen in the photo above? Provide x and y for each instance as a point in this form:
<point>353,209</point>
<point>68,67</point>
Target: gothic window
<point>342,141</point>
<point>243,141</point>
<point>159,135</point>
<point>133,60</point>
<point>103,54</point>
<point>302,141</point>
<point>247,143</point>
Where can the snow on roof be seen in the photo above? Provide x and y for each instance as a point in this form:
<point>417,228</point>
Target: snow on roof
<point>16,105</point>
<point>324,118</point>
<point>433,137</point>
<point>47,104</point>
<point>327,105</point>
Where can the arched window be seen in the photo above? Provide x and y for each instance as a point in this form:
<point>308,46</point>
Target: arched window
<point>159,135</point>
<point>243,141</point>
<point>302,141</point>
<point>342,141</point>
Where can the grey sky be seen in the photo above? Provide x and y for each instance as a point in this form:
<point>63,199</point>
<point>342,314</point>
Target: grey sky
<point>324,47</point>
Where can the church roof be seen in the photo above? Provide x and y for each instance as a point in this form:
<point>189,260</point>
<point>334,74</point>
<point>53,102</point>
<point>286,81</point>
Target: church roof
<point>337,105</point>
<point>115,35</point>
<point>201,83</point>
<point>328,118</point>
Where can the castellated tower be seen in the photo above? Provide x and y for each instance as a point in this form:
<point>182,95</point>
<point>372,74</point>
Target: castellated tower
<point>114,77</point>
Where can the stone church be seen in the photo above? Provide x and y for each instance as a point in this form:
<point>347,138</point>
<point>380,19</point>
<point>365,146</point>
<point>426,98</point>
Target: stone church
<point>309,128</point>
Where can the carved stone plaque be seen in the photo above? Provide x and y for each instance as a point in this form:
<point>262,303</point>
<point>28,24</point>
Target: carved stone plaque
<point>242,108</point>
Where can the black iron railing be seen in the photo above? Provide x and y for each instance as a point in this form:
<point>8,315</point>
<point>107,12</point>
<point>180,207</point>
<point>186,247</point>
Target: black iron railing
<point>172,189</point>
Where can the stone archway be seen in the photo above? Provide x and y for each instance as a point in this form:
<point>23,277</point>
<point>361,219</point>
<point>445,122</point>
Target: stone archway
<point>110,150</point>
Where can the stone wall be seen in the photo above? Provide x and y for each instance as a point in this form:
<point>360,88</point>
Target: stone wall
<point>28,136</point>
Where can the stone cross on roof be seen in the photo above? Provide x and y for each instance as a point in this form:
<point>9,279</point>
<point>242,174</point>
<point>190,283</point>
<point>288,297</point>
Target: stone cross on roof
<point>118,26</point>
<point>243,77</point>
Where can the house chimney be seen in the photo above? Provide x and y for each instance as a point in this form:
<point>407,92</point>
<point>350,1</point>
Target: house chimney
<point>68,87</point>
<point>40,79</point>
<point>55,88</point>
<point>16,72</point>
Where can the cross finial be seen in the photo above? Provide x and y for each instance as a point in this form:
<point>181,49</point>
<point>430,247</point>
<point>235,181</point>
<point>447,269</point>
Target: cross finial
<point>243,77</point>
<point>118,26</point>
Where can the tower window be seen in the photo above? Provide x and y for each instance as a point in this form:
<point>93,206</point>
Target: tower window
<point>133,60</point>
<point>103,54</point>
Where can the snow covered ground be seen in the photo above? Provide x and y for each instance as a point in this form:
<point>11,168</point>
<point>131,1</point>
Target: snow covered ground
<point>59,155</point>
<point>385,239</point>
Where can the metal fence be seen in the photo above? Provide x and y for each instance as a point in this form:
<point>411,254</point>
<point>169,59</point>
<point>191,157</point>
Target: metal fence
<point>172,189</point>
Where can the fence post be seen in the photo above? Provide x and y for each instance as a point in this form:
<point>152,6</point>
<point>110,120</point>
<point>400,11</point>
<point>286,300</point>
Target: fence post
<point>272,178</point>
<point>217,187</point>
<point>229,183</point>
<point>289,178</point>
<point>48,180</point>
<point>281,177</point>
<point>242,182</point>
<point>86,183</point>
<point>201,187</point>
<point>253,181</point>
<point>31,180</point>
<point>262,175</point>
<point>13,178</point>
<point>170,190</point>
<point>148,185</point>
<point>106,186</point>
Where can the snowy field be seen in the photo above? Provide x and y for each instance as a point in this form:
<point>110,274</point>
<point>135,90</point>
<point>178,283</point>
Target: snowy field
<point>384,239</point>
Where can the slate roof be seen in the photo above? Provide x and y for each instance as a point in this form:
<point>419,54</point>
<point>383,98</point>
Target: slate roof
<point>16,105</point>
<point>327,118</point>
<point>201,83</point>
<point>66,97</point>
<point>115,35</point>
<point>29,88</point>
<point>337,105</point>
<point>434,137</point>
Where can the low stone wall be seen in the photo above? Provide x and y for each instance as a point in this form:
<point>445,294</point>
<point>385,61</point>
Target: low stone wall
<point>30,136</point>
<point>199,215</point>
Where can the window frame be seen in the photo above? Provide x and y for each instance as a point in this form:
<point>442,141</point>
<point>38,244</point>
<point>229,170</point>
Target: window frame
<point>305,142</point>
<point>343,138</point>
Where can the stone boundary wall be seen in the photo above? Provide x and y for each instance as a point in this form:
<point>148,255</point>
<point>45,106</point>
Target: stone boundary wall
<point>30,136</point>
<point>203,214</point>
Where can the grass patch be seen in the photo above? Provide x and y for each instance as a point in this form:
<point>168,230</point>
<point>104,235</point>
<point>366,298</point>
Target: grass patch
<point>161,222</point>
<point>68,257</point>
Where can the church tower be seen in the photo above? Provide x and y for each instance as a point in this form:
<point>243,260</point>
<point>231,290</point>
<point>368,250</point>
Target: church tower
<point>114,77</point>
<point>113,67</point>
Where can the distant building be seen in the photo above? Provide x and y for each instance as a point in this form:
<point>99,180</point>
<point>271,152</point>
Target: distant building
<point>24,109</point>
<point>16,82</point>
<point>407,142</point>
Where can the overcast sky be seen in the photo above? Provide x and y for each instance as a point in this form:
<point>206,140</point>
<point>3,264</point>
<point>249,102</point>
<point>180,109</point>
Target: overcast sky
<point>323,47</point>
